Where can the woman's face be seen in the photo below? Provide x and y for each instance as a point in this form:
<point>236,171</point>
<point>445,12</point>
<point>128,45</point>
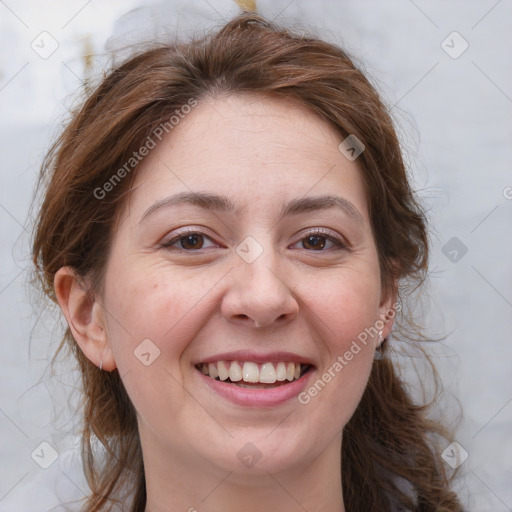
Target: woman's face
<point>244,250</point>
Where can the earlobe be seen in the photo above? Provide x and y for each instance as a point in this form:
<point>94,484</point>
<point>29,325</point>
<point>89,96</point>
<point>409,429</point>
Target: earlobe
<point>85,317</point>
<point>388,318</point>
<point>388,311</point>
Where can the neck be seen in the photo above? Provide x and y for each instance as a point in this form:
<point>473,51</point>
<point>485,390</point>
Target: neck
<point>179,483</point>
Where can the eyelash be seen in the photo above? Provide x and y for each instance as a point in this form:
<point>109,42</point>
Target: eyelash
<point>338,243</point>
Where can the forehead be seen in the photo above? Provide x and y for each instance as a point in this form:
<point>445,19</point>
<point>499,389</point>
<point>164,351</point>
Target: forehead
<point>252,148</point>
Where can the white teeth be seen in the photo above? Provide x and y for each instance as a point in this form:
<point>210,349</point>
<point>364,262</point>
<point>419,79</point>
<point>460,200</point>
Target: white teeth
<point>290,371</point>
<point>212,370</point>
<point>268,373</point>
<point>280,372</point>
<point>223,370</point>
<point>251,372</point>
<point>235,372</point>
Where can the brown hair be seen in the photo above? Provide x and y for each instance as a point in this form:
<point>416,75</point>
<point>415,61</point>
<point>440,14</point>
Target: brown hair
<point>389,436</point>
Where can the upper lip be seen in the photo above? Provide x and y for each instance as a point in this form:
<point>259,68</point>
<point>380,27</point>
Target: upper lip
<point>256,357</point>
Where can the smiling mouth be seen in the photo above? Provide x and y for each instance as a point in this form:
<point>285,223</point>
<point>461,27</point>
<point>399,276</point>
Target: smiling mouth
<point>253,375</point>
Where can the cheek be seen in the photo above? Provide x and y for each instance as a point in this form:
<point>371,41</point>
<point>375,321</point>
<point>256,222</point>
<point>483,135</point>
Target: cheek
<point>345,311</point>
<point>347,307</point>
<point>151,322</point>
<point>151,304</point>
<point>350,342</point>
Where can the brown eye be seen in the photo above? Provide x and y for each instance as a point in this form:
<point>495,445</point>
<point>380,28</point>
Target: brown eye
<point>314,242</point>
<point>192,241</point>
<point>321,242</point>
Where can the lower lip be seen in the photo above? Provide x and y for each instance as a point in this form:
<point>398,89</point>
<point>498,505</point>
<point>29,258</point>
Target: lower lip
<point>257,397</point>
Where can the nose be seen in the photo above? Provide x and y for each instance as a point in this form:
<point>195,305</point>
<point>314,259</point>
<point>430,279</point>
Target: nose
<point>259,294</point>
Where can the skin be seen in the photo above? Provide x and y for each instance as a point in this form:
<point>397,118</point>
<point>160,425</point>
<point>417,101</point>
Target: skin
<point>310,299</point>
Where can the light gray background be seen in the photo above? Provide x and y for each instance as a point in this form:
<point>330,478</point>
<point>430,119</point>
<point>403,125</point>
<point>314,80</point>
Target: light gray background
<point>456,118</point>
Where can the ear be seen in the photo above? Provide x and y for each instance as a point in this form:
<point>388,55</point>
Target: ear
<point>388,309</point>
<point>85,317</point>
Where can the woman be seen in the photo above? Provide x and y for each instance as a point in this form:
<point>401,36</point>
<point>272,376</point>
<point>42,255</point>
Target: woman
<point>225,226</point>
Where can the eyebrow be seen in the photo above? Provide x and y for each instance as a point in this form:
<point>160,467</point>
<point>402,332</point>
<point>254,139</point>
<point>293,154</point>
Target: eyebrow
<point>218,203</point>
